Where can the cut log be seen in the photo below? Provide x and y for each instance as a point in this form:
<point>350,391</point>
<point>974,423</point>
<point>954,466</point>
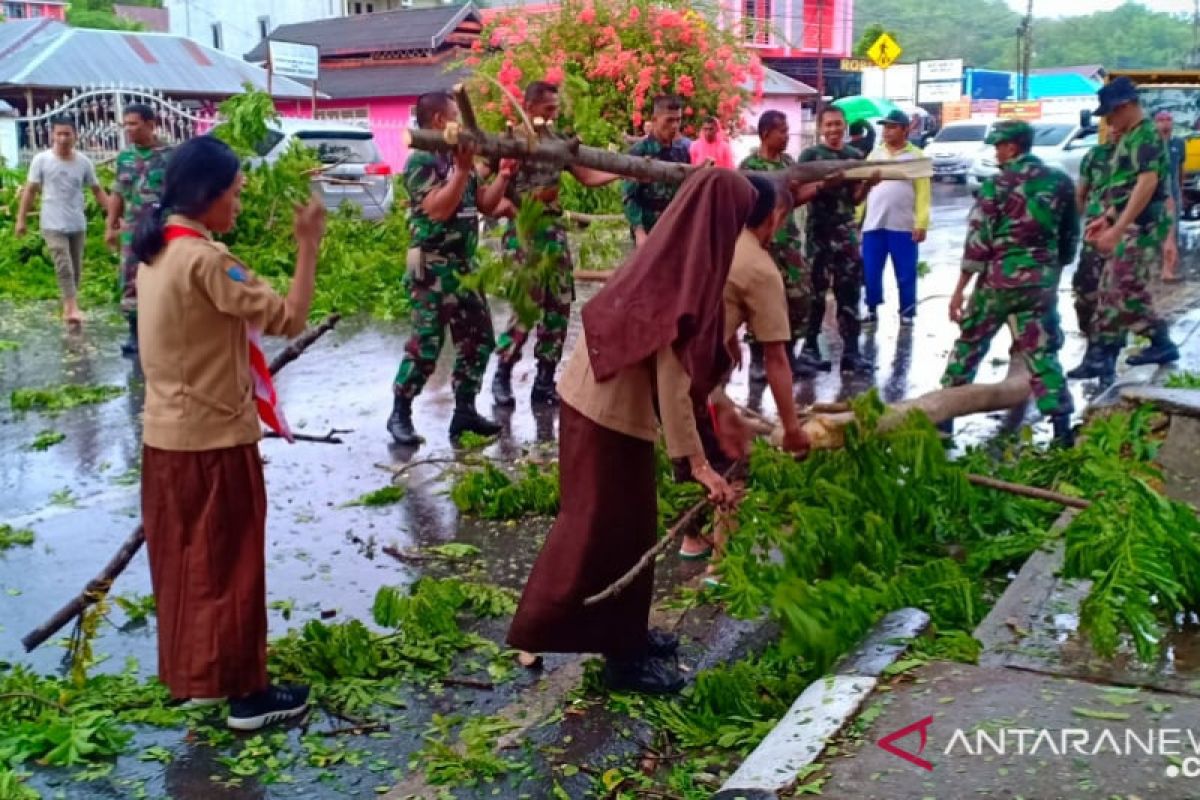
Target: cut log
<point>569,152</point>
<point>99,586</point>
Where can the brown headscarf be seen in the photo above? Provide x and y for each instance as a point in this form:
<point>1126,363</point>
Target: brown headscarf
<point>670,290</point>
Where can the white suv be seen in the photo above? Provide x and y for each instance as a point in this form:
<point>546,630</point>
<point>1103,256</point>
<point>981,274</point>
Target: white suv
<point>955,148</point>
<point>354,172</point>
<point>1058,144</point>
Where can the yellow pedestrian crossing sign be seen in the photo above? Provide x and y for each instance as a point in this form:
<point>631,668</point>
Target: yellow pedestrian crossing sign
<point>885,51</point>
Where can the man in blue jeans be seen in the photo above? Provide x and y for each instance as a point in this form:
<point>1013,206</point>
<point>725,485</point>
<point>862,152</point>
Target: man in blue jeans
<point>894,218</point>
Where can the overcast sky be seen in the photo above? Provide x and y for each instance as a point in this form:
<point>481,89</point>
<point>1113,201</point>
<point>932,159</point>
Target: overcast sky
<point>1061,8</point>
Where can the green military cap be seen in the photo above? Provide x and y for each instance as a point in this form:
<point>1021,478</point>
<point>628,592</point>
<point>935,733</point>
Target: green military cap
<point>1008,129</point>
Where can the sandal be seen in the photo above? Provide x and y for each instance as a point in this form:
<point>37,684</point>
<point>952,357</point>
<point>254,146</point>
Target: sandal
<point>699,555</point>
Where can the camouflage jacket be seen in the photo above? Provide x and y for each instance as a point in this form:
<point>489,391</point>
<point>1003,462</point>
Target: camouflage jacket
<point>832,209</point>
<point>534,175</point>
<point>140,173</point>
<point>1024,227</point>
<point>788,235</point>
<point>455,238</point>
<point>1140,150</point>
<point>1093,172</point>
<point>645,202</point>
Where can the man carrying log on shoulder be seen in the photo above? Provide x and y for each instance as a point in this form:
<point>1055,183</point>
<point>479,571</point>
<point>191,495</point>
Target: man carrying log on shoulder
<point>643,202</point>
<point>1023,230</point>
<point>443,229</point>
<point>540,182</point>
<point>833,246</point>
<point>786,248</point>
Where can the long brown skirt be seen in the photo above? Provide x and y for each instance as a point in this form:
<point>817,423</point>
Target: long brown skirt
<point>607,518</point>
<point>205,515</point>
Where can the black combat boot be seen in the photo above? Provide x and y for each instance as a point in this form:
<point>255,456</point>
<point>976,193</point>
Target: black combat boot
<point>811,354</point>
<point>400,424</point>
<point>1100,361</point>
<point>945,427</point>
<point>802,368</point>
<point>1161,350</point>
<point>648,675</point>
<point>502,391</point>
<point>854,361</point>
<point>130,347</point>
<point>758,367</point>
<point>468,420</point>
<point>1064,435</point>
<point>544,393</point>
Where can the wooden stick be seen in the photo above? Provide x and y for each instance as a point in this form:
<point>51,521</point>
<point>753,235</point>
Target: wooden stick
<point>330,438</point>
<point>98,586</point>
<point>469,683</point>
<point>1029,491</point>
<point>567,152</point>
<point>683,523</point>
<point>465,111</point>
<point>405,555</point>
<point>358,730</point>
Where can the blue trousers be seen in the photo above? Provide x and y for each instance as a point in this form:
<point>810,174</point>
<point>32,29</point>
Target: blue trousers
<point>876,247</point>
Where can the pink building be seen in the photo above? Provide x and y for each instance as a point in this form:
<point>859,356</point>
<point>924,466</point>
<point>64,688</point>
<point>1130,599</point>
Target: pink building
<point>33,9</point>
<point>373,67</point>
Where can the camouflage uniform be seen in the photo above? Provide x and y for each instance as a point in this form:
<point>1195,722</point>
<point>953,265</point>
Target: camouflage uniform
<point>833,251</point>
<point>1093,171</point>
<point>1125,303</point>
<point>1023,229</point>
<point>787,250</point>
<point>555,297</point>
<point>440,254</point>
<point>645,202</point>
<point>140,173</point>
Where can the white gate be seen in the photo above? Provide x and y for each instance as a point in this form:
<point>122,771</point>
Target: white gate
<point>97,113</point>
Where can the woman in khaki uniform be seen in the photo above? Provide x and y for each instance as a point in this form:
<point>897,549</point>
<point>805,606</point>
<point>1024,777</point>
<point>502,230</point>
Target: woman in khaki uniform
<point>204,504</point>
<point>654,336</point>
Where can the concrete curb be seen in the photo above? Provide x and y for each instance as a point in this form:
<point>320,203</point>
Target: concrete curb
<point>822,710</point>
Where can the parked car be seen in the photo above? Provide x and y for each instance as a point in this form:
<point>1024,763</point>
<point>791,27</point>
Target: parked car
<point>354,171</point>
<point>955,147</point>
<point>1059,144</point>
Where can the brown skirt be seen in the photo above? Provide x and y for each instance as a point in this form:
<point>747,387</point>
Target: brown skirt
<point>205,515</point>
<point>608,518</point>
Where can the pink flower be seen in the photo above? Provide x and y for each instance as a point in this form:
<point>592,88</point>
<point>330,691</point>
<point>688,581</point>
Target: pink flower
<point>687,112</point>
<point>554,75</point>
<point>634,14</point>
<point>588,15</point>
<point>637,120</point>
<point>685,85</point>
<point>710,65</point>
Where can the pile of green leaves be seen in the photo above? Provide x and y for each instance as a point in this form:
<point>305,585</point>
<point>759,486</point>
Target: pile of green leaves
<point>14,537</point>
<point>1183,380</point>
<point>830,544</point>
<point>490,493</point>
<point>46,439</point>
<point>60,398</point>
<point>466,759</point>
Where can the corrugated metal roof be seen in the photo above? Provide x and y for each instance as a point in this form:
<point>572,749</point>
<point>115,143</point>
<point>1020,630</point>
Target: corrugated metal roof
<point>18,33</point>
<point>408,29</point>
<point>776,83</point>
<point>73,57</point>
<point>392,80</point>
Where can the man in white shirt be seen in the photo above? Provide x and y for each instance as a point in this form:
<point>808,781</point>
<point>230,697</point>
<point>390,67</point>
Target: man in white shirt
<point>895,218</point>
<point>62,175</point>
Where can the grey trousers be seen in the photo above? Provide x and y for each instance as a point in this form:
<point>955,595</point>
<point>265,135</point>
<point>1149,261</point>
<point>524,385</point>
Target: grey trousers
<point>66,251</point>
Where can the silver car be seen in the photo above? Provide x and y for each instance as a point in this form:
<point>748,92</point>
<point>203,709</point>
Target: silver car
<point>354,173</point>
<point>1059,144</point>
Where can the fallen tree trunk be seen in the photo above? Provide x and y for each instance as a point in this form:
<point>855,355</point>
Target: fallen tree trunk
<point>99,586</point>
<point>569,152</point>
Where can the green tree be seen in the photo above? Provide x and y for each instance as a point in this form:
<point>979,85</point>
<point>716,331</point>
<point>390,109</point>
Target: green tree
<point>868,38</point>
<point>100,14</point>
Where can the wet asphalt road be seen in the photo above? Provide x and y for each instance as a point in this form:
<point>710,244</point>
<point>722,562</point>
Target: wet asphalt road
<point>81,498</point>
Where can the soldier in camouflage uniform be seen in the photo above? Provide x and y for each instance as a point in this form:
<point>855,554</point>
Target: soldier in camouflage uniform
<point>833,247</point>
<point>443,229</point>
<point>786,248</point>
<point>140,170</point>
<point>1089,195</point>
<point>1130,232</point>
<point>541,183</point>
<point>1022,231</point>
<point>644,203</point>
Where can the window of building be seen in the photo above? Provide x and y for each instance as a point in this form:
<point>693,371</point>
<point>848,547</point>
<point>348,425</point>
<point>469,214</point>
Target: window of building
<point>14,10</point>
<point>756,21</point>
<point>359,116</point>
<point>264,27</point>
<point>218,40</point>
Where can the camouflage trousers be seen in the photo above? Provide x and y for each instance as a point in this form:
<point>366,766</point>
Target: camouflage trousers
<point>1125,303</point>
<point>1086,286</point>
<point>837,263</point>
<point>1037,331</point>
<point>553,297</point>
<point>438,302</point>
<point>129,268</point>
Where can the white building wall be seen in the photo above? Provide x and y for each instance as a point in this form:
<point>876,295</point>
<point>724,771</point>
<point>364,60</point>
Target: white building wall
<point>239,20</point>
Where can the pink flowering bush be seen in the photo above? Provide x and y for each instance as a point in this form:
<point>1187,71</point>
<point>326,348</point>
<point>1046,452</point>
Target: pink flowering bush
<point>611,57</point>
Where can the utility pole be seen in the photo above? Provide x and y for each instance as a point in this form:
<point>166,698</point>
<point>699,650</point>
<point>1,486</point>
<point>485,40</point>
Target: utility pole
<point>821,56</point>
<point>1195,36</point>
<point>1026,50</point>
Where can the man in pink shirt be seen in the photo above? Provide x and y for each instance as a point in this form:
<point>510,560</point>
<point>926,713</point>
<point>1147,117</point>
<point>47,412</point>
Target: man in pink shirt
<point>712,146</point>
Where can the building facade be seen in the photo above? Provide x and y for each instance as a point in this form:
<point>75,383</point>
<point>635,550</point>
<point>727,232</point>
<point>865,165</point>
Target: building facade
<point>33,9</point>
